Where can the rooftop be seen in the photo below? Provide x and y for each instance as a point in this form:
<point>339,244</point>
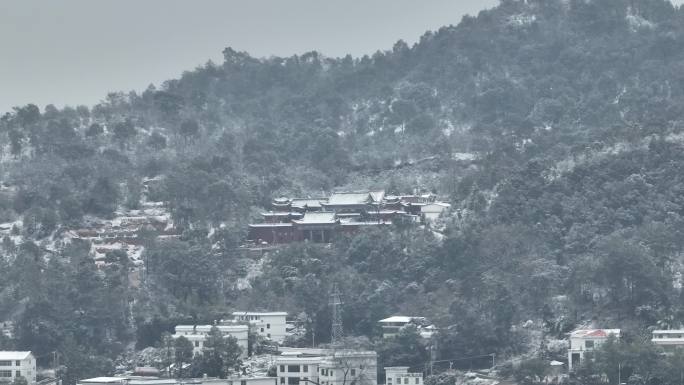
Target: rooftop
<point>594,333</point>
<point>207,328</point>
<point>259,313</point>
<point>280,214</point>
<point>13,355</point>
<point>104,380</point>
<point>399,318</point>
<point>317,218</point>
<point>350,198</point>
<point>268,225</point>
<point>308,202</point>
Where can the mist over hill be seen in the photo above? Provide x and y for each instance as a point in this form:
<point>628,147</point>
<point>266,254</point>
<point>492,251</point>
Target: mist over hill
<point>554,127</point>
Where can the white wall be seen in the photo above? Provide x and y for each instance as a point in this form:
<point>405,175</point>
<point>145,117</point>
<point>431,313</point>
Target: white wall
<point>26,368</point>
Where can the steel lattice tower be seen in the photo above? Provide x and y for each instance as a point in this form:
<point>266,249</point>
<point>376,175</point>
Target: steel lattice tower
<point>335,304</point>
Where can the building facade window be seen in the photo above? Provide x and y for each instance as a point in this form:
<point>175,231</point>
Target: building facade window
<point>18,373</point>
<point>268,326</point>
<point>353,372</point>
<point>417,381</point>
<point>305,368</point>
<point>293,368</point>
<point>5,363</point>
<point>282,380</point>
<point>243,382</point>
<point>5,373</point>
<point>282,368</point>
<point>18,363</point>
<point>405,380</point>
<point>589,344</point>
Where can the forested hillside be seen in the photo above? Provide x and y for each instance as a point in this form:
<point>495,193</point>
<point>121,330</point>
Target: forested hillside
<point>556,127</point>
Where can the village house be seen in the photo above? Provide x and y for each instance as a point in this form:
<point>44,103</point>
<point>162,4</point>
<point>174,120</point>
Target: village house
<point>326,367</point>
<point>17,364</point>
<point>271,325</point>
<point>197,335</point>
<point>669,340</point>
<point>400,375</point>
<point>393,325</point>
<point>587,340</point>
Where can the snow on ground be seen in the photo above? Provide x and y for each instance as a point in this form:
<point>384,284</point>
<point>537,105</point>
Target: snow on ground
<point>254,270</point>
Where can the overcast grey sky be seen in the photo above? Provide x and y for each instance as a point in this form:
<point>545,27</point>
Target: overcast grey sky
<point>75,51</point>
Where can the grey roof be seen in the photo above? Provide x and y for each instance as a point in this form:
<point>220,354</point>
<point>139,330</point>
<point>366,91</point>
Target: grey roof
<point>349,198</point>
<point>377,196</point>
<point>317,218</point>
<point>267,225</point>
<point>308,202</point>
<point>13,355</point>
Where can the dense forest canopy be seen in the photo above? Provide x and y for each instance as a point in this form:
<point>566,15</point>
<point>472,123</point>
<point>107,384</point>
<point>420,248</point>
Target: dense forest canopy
<point>555,127</point>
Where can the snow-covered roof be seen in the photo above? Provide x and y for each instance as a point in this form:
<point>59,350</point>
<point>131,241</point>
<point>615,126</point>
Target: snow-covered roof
<point>207,328</point>
<point>308,202</point>
<point>268,225</point>
<point>398,318</point>
<point>595,333</point>
<point>280,214</point>
<point>366,223</point>
<point>266,313</point>
<point>436,206</point>
<point>317,218</point>
<point>677,331</point>
<point>13,355</point>
<point>103,380</point>
<point>349,198</point>
<point>377,196</point>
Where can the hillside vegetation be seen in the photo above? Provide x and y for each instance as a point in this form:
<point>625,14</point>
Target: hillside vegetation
<point>556,128</point>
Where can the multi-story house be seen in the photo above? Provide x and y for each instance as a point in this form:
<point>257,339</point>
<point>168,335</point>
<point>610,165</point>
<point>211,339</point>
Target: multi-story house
<point>271,325</point>
<point>327,367</point>
<point>587,340</point>
<point>197,335</point>
<point>400,375</point>
<point>17,364</point>
<point>668,339</point>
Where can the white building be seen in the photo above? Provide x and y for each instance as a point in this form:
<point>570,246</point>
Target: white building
<point>327,367</point>
<point>271,325</point>
<point>197,334</point>
<point>668,339</point>
<point>17,364</point>
<point>430,212</point>
<point>135,380</point>
<point>399,375</point>
<point>586,340</point>
<point>392,325</point>
<point>237,381</point>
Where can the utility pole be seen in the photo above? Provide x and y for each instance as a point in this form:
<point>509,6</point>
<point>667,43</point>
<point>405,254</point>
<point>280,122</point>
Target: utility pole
<point>619,373</point>
<point>335,304</point>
